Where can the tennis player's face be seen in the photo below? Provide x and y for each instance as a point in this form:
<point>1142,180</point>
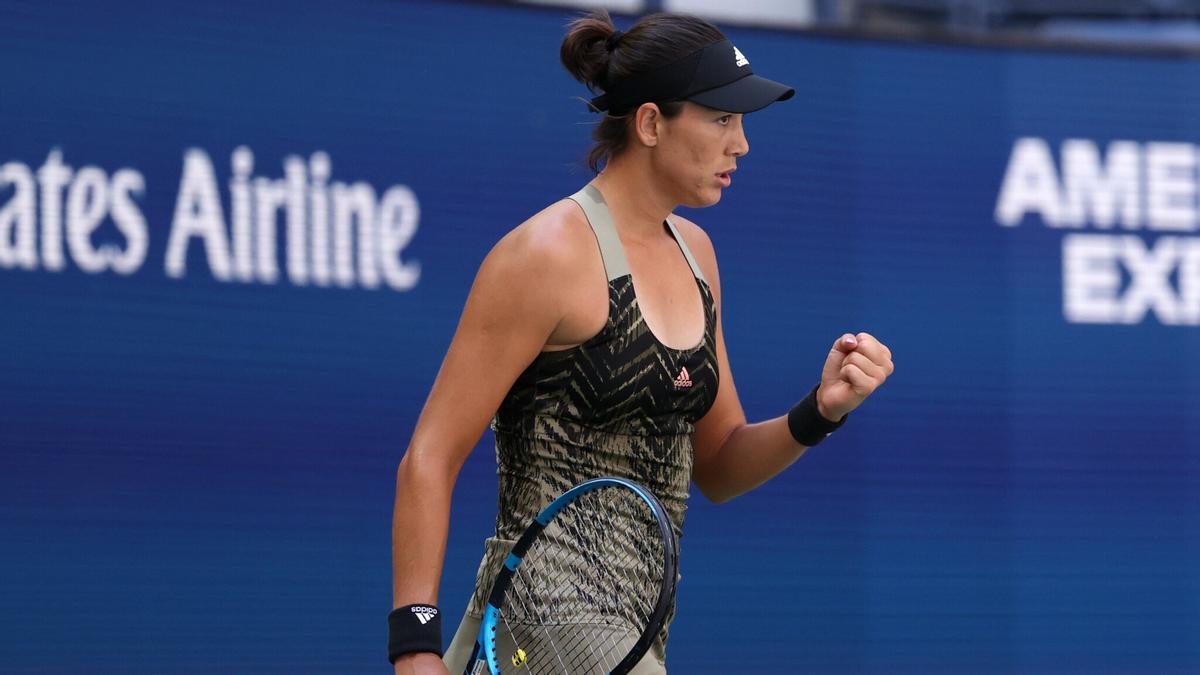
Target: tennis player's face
<point>698,151</point>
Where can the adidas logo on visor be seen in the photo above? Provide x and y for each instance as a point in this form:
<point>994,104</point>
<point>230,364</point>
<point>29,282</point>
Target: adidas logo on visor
<point>740,58</point>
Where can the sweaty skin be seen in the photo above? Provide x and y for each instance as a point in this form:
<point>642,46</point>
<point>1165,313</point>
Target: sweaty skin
<point>542,287</point>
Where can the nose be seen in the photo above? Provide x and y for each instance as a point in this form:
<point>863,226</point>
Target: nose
<point>741,146</point>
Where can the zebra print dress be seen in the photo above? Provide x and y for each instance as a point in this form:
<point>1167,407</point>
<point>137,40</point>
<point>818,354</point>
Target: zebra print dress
<point>621,404</point>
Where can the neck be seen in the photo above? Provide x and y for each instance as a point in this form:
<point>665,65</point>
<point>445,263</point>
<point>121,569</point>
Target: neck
<point>639,204</point>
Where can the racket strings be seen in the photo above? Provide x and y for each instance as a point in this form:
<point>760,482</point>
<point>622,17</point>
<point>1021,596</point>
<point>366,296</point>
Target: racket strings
<point>638,566</point>
<point>586,646</point>
<point>587,587</point>
<point>526,622</point>
<point>544,632</point>
<point>608,634</point>
<point>615,628</point>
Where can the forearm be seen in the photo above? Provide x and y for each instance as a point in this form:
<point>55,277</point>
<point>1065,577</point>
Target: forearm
<point>420,521</point>
<point>749,456</point>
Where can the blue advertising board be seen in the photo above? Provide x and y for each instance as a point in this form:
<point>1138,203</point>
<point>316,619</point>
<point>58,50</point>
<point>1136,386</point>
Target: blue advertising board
<point>235,239</point>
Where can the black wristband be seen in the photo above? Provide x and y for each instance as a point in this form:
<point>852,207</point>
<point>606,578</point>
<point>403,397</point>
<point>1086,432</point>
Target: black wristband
<point>414,628</point>
<point>807,425</point>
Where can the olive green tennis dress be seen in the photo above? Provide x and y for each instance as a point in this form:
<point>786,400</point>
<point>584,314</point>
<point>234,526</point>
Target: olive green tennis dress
<point>621,404</point>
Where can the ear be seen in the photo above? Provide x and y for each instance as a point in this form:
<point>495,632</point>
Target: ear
<point>646,124</point>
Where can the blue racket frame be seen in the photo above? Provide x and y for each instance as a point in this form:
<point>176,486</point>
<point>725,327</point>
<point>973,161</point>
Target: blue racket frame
<point>484,653</point>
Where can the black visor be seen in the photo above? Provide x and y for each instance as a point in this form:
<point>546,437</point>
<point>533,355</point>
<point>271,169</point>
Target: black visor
<point>717,76</point>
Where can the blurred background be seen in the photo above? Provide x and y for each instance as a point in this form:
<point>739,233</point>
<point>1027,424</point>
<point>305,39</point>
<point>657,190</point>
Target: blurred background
<point>235,239</point>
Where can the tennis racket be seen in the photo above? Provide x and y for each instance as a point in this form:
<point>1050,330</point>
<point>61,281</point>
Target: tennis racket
<point>586,589</point>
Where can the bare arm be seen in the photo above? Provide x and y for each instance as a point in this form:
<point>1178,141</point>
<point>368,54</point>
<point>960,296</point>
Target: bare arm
<point>509,315</point>
<point>733,456</point>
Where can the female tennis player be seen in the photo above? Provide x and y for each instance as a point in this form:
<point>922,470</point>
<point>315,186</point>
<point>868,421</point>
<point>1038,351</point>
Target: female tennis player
<point>591,338</point>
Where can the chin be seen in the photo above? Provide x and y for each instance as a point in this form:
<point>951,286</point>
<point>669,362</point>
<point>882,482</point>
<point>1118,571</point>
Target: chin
<point>700,197</point>
<point>699,200</point>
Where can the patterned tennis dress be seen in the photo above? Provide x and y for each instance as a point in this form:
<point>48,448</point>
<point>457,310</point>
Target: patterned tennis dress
<point>621,404</point>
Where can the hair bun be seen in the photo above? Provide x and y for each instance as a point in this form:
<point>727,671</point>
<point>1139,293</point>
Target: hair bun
<point>585,49</point>
<point>611,42</point>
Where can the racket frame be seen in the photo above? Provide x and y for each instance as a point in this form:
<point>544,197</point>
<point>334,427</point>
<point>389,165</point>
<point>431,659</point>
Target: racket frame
<point>484,653</point>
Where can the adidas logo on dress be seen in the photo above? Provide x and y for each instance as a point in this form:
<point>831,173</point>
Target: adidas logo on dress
<point>740,58</point>
<point>684,380</point>
<point>424,614</point>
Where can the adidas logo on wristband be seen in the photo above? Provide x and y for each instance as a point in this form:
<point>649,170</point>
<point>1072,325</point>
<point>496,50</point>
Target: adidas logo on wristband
<point>424,614</point>
<point>406,636</point>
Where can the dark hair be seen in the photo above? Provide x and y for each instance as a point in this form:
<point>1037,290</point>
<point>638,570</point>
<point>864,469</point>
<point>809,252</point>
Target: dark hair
<point>654,41</point>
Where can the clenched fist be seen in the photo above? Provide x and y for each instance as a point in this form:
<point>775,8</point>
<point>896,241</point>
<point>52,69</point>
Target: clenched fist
<point>856,366</point>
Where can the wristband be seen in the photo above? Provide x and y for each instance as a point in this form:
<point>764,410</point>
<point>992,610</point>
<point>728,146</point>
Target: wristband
<point>414,628</point>
<point>807,425</point>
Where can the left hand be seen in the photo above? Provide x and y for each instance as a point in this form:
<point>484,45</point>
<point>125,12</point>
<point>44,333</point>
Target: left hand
<point>856,366</point>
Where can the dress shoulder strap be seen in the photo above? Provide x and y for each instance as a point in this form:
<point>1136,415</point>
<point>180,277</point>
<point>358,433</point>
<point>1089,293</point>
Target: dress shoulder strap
<point>687,253</point>
<point>611,251</point>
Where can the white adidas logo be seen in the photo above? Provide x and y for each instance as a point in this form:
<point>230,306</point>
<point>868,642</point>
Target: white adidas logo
<point>740,58</point>
<point>684,380</point>
<point>424,614</point>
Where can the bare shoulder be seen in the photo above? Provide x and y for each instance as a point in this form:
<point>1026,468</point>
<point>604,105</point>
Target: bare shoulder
<point>548,271</point>
<point>556,239</point>
<point>541,266</point>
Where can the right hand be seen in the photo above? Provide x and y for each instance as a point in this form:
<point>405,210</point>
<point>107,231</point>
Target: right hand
<point>420,663</point>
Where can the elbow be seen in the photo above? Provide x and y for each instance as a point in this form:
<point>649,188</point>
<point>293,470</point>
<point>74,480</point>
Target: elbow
<point>717,498</point>
<point>426,468</point>
<point>711,473</point>
<point>712,490</point>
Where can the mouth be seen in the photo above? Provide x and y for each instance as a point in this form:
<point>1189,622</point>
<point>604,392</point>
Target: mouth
<point>725,177</point>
